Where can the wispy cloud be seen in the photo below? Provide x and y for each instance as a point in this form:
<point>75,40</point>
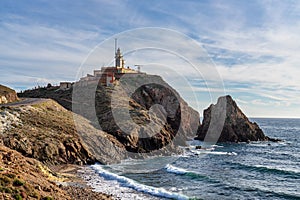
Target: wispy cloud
<point>254,44</point>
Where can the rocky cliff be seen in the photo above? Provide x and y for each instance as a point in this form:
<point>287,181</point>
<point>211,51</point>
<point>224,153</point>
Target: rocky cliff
<point>46,131</point>
<point>142,112</point>
<point>236,126</point>
<point>7,95</point>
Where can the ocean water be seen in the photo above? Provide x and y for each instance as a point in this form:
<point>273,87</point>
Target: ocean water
<point>259,170</point>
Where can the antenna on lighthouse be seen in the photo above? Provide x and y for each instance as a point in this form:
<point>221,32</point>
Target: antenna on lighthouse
<point>116,43</point>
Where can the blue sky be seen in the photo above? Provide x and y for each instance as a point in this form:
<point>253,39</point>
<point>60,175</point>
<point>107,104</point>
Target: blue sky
<point>254,45</point>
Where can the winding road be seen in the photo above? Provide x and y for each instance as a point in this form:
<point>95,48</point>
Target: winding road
<point>25,102</point>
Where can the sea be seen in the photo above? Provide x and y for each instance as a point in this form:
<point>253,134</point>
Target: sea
<point>256,170</point>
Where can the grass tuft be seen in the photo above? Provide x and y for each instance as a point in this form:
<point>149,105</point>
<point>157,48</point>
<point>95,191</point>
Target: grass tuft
<point>18,182</point>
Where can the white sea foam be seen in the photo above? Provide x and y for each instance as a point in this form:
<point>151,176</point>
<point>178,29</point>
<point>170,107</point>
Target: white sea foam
<point>198,152</point>
<point>112,187</point>
<point>127,182</point>
<point>180,171</point>
<point>143,165</point>
<point>289,170</point>
<point>217,146</point>
<point>175,170</point>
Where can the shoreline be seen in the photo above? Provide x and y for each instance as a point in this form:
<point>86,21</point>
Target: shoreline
<point>118,185</point>
<point>82,182</point>
<point>72,182</point>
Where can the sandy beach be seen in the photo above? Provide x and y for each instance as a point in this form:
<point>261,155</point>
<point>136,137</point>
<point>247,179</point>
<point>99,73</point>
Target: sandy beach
<point>73,183</point>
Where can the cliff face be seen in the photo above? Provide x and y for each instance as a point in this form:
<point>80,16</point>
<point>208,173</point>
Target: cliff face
<point>236,128</point>
<point>46,131</point>
<point>7,95</point>
<point>142,112</point>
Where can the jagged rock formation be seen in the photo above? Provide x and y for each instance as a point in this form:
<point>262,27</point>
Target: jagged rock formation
<point>155,116</point>
<point>7,95</point>
<point>142,112</point>
<point>46,131</point>
<point>236,128</point>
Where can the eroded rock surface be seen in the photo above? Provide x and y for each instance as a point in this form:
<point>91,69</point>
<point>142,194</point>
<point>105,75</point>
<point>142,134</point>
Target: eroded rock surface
<point>144,98</point>
<point>46,132</point>
<point>142,112</point>
<point>236,127</point>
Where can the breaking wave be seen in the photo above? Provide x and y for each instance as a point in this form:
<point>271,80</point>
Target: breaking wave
<point>127,182</point>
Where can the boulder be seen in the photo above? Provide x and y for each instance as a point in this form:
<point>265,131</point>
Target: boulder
<point>235,126</point>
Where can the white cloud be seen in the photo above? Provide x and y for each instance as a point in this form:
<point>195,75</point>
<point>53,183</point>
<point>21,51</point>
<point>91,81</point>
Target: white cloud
<point>253,43</point>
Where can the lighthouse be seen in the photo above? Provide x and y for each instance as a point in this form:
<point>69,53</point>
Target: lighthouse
<point>119,60</point>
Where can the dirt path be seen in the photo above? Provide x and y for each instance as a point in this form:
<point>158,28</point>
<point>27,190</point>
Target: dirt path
<point>25,102</point>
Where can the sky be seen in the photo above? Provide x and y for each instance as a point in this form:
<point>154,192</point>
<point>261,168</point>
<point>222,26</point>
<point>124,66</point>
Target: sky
<point>253,46</point>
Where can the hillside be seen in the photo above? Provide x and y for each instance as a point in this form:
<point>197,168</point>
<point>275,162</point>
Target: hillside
<point>24,177</point>
<point>7,95</point>
<point>46,131</point>
<point>63,97</point>
<point>27,178</point>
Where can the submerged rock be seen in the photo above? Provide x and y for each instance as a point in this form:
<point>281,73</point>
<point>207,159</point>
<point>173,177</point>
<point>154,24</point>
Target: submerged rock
<point>235,126</point>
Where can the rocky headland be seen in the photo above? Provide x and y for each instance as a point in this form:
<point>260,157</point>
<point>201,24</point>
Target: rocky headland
<point>181,121</point>
<point>139,117</point>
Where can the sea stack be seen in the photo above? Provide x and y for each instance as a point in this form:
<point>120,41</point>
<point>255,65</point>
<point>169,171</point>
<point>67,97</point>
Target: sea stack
<point>236,128</point>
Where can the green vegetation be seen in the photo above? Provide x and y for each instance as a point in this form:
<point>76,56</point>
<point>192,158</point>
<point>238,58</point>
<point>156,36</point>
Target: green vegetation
<point>5,190</point>
<point>18,183</point>
<point>62,97</point>
<point>9,175</point>
<point>17,188</point>
<point>47,198</point>
<point>18,197</point>
<point>4,181</point>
